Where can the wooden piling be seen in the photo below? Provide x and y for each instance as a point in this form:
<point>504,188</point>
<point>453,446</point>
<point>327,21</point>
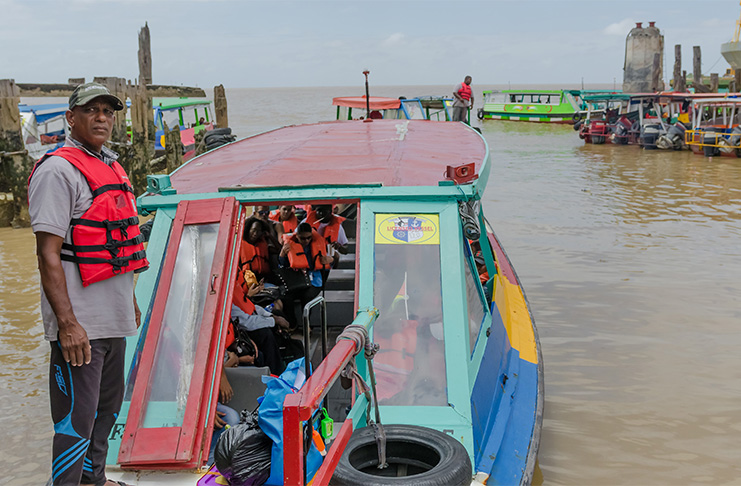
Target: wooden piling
<point>222,117</point>
<point>678,85</point>
<point>15,164</point>
<point>697,71</point>
<point>135,156</point>
<point>655,73</point>
<point>145,56</point>
<point>173,149</point>
<point>714,82</point>
<point>736,80</point>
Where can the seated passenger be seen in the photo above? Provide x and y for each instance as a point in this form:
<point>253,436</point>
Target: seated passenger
<point>305,251</point>
<point>286,216</point>
<point>275,235</point>
<point>329,226</point>
<point>254,252</point>
<point>259,325</point>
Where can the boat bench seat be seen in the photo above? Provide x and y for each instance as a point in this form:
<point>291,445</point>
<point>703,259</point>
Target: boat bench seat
<point>246,381</point>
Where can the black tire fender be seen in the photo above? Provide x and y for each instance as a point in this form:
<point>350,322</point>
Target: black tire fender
<point>577,118</point>
<point>216,132</point>
<point>480,114</point>
<point>430,457</point>
<point>578,124</point>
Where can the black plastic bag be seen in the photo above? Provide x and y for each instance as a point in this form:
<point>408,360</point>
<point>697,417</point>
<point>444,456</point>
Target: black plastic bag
<point>242,453</point>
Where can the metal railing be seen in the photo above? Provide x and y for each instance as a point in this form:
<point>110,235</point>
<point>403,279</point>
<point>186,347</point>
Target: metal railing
<point>299,407</point>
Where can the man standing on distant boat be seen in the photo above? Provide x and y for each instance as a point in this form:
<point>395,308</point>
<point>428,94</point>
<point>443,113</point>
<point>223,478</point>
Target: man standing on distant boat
<point>463,95</point>
<point>88,244</point>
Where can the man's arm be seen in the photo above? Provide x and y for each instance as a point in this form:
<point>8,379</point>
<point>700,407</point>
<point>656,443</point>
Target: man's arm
<point>72,336</point>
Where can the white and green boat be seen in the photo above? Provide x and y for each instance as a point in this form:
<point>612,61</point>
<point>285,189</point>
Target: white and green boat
<point>534,105</point>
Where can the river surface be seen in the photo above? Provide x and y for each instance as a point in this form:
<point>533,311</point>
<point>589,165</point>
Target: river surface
<point>630,259</point>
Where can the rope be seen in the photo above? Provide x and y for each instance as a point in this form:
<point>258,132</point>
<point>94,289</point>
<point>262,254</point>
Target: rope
<point>359,335</point>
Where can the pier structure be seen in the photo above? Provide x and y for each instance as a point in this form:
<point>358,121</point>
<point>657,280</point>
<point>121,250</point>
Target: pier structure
<point>134,144</point>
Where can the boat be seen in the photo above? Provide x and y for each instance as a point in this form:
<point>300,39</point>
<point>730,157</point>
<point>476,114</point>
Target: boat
<point>715,126</point>
<point>43,127</point>
<point>426,279</point>
<point>650,120</point>
<point>191,115</point>
<point>378,107</point>
<point>533,105</point>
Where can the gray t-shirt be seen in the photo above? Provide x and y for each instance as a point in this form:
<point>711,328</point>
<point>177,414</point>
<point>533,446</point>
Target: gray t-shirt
<point>57,193</point>
<point>456,101</point>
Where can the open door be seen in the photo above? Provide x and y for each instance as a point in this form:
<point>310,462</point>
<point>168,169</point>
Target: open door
<point>173,399</point>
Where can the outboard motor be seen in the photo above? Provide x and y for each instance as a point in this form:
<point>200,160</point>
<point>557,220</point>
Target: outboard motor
<point>673,139</point>
<point>735,140</point>
<point>709,140</point>
<point>649,136</point>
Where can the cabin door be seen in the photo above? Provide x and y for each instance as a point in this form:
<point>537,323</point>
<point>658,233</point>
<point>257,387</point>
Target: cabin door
<point>173,399</point>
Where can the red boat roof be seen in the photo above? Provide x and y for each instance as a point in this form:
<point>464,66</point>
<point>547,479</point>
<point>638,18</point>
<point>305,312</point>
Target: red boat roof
<point>376,102</point>
<point>389,152</point>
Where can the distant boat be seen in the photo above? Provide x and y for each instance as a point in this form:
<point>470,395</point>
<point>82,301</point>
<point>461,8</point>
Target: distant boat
<point>191,115</point>
<point>43,127</point>
<point>383,108</point>
<point>534,105</point>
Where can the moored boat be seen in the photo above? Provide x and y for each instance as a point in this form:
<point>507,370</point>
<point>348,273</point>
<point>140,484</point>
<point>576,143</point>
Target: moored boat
<point>716,128</point>
<point>428,281</point>
<point>379,107</point>
<point>190,115</point>
<point>43,127</point>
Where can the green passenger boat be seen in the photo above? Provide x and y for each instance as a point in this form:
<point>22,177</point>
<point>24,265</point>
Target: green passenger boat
<point>534,105</point>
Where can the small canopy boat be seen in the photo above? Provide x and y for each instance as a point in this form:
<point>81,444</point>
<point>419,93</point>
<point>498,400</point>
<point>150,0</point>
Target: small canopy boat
<point>716,127</point>
<point>426,280</point>
<point>191,115</point>
<point>423,108</point>
<point>44,127</point>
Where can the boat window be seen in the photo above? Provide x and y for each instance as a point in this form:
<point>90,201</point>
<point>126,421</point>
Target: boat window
<point>474,298</point>
<point>174,358</point>
<point>171,117</point>
<point>414,110</point>
<point>407,289</point>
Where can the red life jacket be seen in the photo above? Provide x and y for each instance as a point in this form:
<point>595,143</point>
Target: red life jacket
<point>105,240</point>
<point>289,225</point>
<point>331,231</point>
<point>465,92</point>
<point>254,257</point>
<point>298,259</point>
<point>239,295</point>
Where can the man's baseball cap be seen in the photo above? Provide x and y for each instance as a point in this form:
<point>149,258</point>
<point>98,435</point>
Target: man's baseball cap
<point>85,93</point>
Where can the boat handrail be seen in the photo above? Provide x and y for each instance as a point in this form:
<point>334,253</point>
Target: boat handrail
<point>300,406</point>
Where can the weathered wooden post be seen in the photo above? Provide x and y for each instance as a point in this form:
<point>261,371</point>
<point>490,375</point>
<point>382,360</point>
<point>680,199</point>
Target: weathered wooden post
<point>656,73</point>
<point>222,117</point>
<point>678,86</point>
<point>135,156</point>
<point>15,164</point>
<point>145,56</point>
<point>714,82</point>
<point>173,149</point>
<point>697,71</point>
<point>736,80</point>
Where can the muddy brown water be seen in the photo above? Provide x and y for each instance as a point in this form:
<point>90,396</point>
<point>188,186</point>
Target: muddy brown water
<point>631,262</point>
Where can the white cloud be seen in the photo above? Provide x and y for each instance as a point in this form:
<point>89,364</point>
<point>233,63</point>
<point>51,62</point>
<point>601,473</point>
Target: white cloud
<point>393,39</point>
<point>619,28</point>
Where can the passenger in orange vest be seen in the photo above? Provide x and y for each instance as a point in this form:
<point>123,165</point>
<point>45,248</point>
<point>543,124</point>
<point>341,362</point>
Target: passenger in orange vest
<point>329,226</point>
<point>286,216</point>
<point>305,251</point>
<point>255,250</point>
<point>275,235</point>
<point>463,95</point>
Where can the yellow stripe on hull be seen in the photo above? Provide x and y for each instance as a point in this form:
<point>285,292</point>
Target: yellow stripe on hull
<point>513,309</point>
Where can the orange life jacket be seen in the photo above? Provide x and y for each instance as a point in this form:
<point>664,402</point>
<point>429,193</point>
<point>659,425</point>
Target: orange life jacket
<point>331,231</point>
<point>239,296</point>
<point>484,277</point>
<point>465,92</point>
<point>289,225</point>
<point>105,240</point>
<point>298,259</point>
<point>254,257</point>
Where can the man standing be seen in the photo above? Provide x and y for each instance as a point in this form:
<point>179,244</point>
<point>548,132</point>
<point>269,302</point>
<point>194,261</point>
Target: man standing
<point>463,100</point>
<point>88,244</point>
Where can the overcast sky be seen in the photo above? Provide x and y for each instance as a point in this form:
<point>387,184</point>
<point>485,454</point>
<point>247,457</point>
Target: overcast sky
<point>329,43</point>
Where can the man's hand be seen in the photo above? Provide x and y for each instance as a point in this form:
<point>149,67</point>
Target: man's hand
<point>256,289</point>
<point>232,360</point>
<point>285,249</point>
<point>340,248</point>
<point>281,322</point>
<point>75,345</point>
<point>218,422</point>
<point>326,259</point>
<point>225,389</point>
